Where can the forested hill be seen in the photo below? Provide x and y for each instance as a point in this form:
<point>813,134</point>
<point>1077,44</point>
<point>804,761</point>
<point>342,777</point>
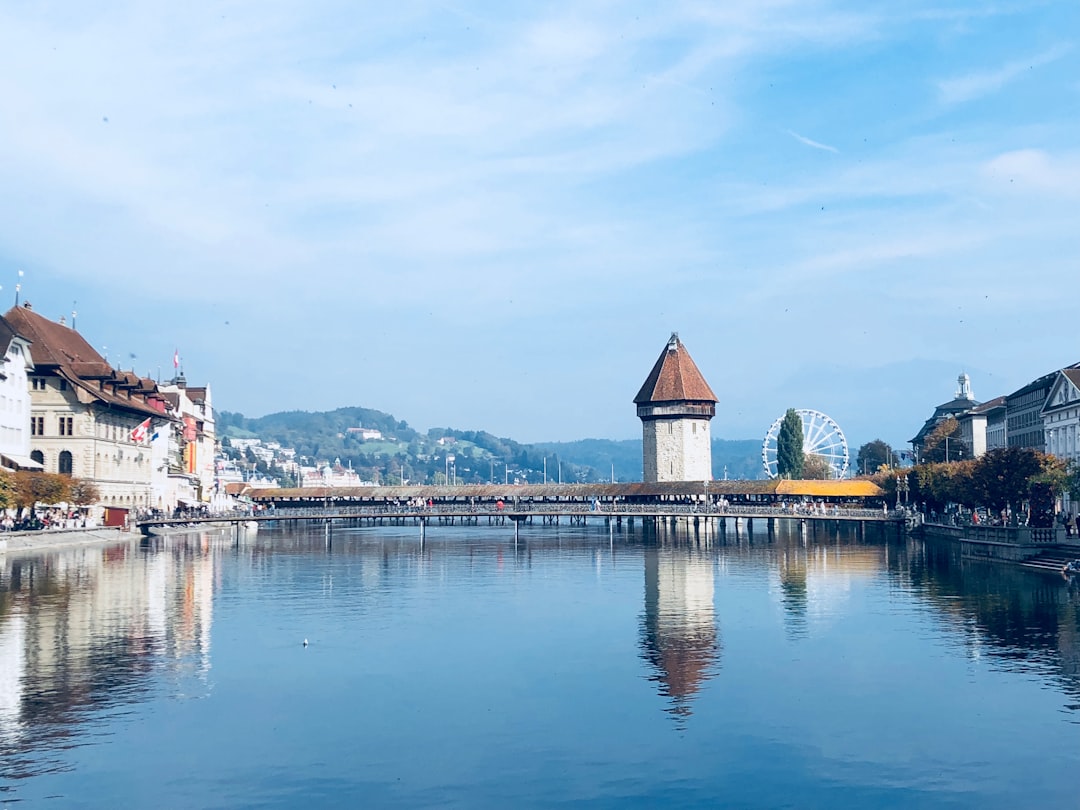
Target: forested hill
<point>471,456</point>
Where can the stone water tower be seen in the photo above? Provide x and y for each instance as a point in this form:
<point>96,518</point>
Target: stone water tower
<point>675,405</point>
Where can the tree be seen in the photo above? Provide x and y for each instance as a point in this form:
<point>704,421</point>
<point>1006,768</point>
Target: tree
<point>8,490</point>
<point>789,446</point>
<point>944,443</point>
<point>82,492</point>
<point>1002,478</point>
<point>37,487</point>
<point>816,468</point>
<point>874,455</point>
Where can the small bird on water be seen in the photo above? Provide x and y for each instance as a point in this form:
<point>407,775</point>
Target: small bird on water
<point>305,642</point>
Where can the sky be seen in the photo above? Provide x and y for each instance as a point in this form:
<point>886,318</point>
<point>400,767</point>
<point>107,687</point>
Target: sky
<point>492,215</point>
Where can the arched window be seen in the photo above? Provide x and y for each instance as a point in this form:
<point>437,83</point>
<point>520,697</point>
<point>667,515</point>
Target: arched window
<point>37,456</point>
<point>65,462</point>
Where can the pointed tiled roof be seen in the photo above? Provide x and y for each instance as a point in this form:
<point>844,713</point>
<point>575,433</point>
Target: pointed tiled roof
<point>675,378</point>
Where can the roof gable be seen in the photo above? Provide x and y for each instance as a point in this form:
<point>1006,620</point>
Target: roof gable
<point>674,378</point>
<point>1064,392</point>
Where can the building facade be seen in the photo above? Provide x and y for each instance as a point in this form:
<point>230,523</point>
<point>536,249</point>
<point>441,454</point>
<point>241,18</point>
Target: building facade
<point>675,406</point>
<point>196,438</point>
<point>15,399</point>
<point>963,402</point>
<point>1024,413</point>
<point>84,414</point>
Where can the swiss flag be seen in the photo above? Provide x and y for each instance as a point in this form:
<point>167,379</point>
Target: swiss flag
<point>141,431</point>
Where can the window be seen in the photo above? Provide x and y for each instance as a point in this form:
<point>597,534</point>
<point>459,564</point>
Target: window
<point>37,384</point>
<point>67,425</point>
<point>38,456</point>
<point>65,462</point>
<point>37,425</point>
<point>63,385</point>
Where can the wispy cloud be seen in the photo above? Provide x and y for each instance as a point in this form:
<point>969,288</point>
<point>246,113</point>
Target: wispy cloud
<point>815,144</point>
<point>960,89</point>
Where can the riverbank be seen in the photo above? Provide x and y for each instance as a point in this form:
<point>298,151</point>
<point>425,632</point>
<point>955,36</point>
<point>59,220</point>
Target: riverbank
<point>57,539</point>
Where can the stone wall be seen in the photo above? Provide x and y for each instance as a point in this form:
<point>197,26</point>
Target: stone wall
<point>676,450</point>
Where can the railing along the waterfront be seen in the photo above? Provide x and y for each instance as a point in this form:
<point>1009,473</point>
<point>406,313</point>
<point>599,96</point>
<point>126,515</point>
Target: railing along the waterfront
<point>577,510</point>
<point>1011,535</point>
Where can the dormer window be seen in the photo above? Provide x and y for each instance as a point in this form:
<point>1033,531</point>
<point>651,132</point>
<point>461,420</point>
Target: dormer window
<point>37,383</point>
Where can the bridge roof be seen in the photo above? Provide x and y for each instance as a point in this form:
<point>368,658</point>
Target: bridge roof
<point>675,378</point>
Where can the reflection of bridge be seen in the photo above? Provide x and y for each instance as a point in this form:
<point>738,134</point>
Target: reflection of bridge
<point>527,512</point>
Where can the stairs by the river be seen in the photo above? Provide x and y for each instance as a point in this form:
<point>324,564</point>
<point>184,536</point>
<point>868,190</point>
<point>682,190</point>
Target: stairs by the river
<point>1051,560</point>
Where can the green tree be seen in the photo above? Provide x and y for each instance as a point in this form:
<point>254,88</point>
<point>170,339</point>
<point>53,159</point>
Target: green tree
<point>789,446</point>
<point>874,455</point>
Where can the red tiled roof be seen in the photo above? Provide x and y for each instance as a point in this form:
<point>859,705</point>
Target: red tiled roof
<point>70,356</point>
<point>675,378</point>
<point>51,343</point>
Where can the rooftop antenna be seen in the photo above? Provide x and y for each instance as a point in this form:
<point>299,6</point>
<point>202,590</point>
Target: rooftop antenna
<point>74,314</point>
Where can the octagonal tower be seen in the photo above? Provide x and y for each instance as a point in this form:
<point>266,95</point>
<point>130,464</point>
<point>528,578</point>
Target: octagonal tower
<point>675,405</point>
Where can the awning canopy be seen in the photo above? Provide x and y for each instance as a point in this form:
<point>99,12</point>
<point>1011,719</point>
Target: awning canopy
<point>13,461</point>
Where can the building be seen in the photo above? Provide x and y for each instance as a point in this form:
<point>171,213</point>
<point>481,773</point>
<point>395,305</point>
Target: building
<point>983,427</point>
<point>962,402</point>
<point>1061,415</point>
<point>675,405</point>
<point>197,439</point>
<point>1024,412</point>
<point>15,400</point>
<point>87,419</point>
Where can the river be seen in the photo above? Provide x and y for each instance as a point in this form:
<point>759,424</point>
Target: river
<point>577,666</point>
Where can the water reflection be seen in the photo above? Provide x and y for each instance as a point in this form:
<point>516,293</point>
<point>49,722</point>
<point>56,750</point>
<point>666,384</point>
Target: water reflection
<point>88,634</point>
<point>679,636</point>
<point>85,631</point>
<point>1024,621</point>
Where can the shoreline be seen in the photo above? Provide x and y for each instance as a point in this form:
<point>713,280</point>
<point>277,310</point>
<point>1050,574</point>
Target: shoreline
<point>49,540</point>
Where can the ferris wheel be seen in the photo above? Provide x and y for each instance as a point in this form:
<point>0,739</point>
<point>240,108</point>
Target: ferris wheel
<point>821,437</point>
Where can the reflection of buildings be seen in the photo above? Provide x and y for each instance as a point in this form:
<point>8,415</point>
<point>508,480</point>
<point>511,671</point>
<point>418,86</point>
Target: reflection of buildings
<point>816,582</point>
<point>84,629</point>
<point>679,638</point>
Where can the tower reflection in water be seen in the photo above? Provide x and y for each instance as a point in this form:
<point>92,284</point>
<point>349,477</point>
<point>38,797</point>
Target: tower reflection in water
<point>679,637</point>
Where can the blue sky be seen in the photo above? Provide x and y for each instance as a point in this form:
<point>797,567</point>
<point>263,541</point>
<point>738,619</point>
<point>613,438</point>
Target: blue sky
<point>493,215</point>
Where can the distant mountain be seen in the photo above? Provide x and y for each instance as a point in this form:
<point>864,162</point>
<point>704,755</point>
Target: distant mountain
<point>737,458</point>
<point>468,456</point>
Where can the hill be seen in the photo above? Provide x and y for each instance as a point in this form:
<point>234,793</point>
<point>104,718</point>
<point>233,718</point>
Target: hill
<point>382,448</point>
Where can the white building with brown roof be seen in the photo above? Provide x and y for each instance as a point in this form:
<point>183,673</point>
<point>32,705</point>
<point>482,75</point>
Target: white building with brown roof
<point>675,405</point>
<point>84,413</point>
<point>15,399</point>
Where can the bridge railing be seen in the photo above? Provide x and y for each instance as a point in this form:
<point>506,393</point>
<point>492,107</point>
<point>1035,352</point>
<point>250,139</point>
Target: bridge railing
<point>576,509</point>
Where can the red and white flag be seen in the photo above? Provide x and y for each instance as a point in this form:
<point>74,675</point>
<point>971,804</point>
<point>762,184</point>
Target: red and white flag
<point>141,431</point>
<point>176,358</point>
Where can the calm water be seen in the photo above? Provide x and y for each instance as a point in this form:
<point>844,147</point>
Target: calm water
<point>576,667</point>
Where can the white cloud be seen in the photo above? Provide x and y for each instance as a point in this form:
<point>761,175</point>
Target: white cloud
<point>1033,171</point>
<point>960,89</point>
<point>814,144</point>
